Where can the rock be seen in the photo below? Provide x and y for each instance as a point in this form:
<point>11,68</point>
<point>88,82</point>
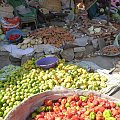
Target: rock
<point>4,53</point>
<point>79,49</point>
<point>39,48</point>
<point>89,50</point>
<point>47,49</point>
<point>82,41</point>
<point>90,40</point>
<point>69,45</point>
<point>38,55</point>
<point>68,54</point>
<point>101,43</point>
<point>95,43</point>
<point>25,58</point>
<point>15,61</point>
<point>79,55</point>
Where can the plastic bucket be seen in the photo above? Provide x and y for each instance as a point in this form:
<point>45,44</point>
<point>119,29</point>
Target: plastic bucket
<point>6,28</point>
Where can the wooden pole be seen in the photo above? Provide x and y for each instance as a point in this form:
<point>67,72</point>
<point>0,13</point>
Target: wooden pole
<point>108,16</point>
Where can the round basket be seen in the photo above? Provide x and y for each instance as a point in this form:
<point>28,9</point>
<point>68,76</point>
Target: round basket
<point>14,31</point>
<point>22,111</point>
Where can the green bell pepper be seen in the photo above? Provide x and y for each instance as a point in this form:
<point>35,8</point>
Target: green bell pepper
<point>110,118</point>
<point>107,114</point>
<point>92,116</point>
<point>83,98</point>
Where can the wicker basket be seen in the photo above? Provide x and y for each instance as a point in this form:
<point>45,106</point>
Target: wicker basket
<point>51,5</point>
<point>22,111</point>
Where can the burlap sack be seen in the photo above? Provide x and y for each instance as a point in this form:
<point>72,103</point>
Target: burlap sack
<point>6,11</point>
<point>22,111</point>
<point>51,5</point>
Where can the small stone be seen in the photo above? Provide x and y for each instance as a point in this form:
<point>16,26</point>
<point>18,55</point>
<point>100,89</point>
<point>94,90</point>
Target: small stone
<point>68,54</point>
<point>79,55</point>
<point>38,55</point>
<point>79,49</point>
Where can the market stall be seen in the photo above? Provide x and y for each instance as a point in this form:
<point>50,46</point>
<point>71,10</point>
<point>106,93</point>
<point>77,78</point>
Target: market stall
<point>52,55</point>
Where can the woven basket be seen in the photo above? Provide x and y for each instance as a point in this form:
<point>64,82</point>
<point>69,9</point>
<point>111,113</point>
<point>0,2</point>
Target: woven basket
<point>51,5</point>
<point>22,111</point>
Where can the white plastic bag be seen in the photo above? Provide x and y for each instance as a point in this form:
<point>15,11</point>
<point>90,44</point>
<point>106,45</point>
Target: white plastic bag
<point>116,40</point>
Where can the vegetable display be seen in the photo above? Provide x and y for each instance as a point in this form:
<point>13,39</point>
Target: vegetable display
<point>30,79</point>
<point>76,108</point>
<point>111,50</point>
<point>30,42</point>
<point>7,70</point>
<point>13,37</point>
<point>54,36</point>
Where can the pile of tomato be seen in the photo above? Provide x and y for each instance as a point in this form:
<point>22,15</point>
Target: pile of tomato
<point>13,37</point>
<point>78,108</point>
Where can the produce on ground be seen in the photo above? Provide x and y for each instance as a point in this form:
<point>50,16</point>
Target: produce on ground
<point>29,80</point>
<point>30,42</point>
<point>13,37</point>
<point>7,70</point>
<point>111,50</point>
<point>53,35</point>
<point>77,107</point>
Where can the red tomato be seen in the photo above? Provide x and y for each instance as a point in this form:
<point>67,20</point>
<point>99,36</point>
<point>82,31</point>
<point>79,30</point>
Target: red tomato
<point>72,103</point>
<point>75,117</point>
<point>84,104</point>
<point>57,104</point>
<point>76,97</point>
<point>62,107</point>
<point>70,98</point>
<point>118,109</point>
<point>59,100</point>
<point>99,100</point>
<point>115,112</point>
<point>69,115</point>
<point>101,108</point>
<point>96,109</point>
<point>56,109</point>
<point>51,118</point>
<point>79,103</point>
<point>112,104</point>
<point>107,105</point>
<point>39,116</point>
<point>74,111</point>
<point>64,101</point>
<point>41,119</point>
<point>82,117</point>
<point>95,102</point>
<point>48,102</point>
<point>90,97</point>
